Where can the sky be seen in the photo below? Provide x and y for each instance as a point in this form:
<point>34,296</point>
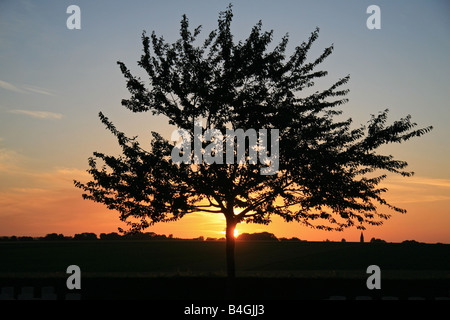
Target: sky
<point>55,80</point>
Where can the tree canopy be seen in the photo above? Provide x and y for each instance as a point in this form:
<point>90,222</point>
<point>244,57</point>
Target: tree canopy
<point>327,176</point>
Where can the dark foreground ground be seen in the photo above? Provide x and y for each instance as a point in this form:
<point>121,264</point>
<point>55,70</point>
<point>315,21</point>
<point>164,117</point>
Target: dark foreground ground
<point>258,289</point>
<point>195,270</point>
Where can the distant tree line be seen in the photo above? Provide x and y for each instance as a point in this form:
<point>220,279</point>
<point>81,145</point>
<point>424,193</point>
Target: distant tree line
<point>258,236</point>
<point>92,236</point>
<point>264,236</point>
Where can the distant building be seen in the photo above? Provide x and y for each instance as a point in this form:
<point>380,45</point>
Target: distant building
<point>361,238</point>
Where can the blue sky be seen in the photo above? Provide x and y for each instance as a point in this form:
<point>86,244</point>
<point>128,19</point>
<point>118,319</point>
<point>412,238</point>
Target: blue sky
<point>54,81</point>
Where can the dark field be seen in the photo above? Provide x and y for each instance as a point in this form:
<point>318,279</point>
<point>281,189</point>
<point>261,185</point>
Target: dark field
<point>196,269</point>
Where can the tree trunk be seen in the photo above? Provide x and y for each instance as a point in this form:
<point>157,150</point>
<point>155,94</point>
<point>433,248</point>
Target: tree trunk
<point>230,245</point>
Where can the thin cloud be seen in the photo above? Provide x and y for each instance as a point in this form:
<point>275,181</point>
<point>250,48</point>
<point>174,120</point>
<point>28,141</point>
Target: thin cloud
<point>424,181</point>
<point>9,160</point>
<point>419,190</point>
<point>25,89</point>
<point>39,90</point>
<point>444,183</point>
<point>8,86</point>
<point>38,114</point>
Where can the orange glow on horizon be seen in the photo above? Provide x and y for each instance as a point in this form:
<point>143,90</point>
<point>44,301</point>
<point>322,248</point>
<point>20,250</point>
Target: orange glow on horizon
<point>50,204</point>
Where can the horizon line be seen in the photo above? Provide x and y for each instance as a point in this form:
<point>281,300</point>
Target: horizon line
<point>163,237</point>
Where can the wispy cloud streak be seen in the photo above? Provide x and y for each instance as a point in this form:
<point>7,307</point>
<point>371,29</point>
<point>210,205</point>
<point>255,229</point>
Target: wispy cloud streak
<point>38,114</point>
<point>25,89</point>
<point>39,90</point>
<point>419,189</point>
<point>10,87</point>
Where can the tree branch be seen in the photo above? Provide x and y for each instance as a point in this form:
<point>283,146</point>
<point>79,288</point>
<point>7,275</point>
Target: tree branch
<point>206,210</point>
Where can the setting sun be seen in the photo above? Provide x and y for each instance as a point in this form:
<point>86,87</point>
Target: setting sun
<point>236,233</point>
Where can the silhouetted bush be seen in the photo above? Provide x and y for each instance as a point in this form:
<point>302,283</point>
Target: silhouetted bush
<point>144,236</point>
<point>410,242</point>
<point>373,240</point>
<point>25,238</point>
<point>15,238</point>
<point>294,239</point>
<point>257,236</point>
<point>110,236</point>
<point>5,238</point>
<point>54,237</point>
<point>85,236</point>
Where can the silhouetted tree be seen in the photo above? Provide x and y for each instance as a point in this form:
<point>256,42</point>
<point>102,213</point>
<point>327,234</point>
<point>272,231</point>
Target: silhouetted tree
<point>374,240</point>
<point>410,242</point>
<point>54,237</point>
<point>293,239</point>
<point>85,236</point>
<point>322,181</point>
<point>110,236</point>
<point>258,236</point>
